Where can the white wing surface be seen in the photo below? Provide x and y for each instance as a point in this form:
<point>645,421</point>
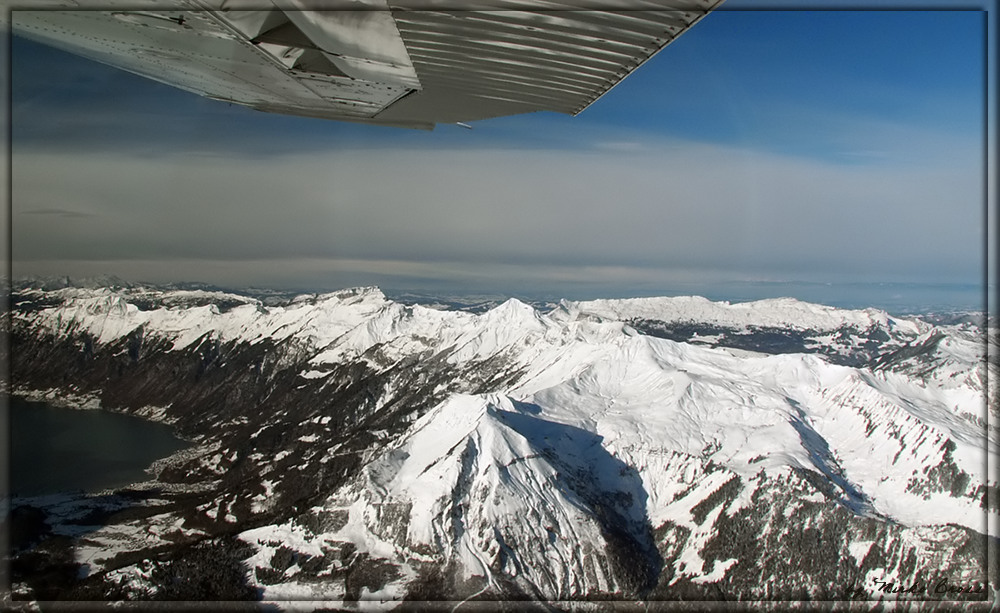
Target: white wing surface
<point>410,63</point>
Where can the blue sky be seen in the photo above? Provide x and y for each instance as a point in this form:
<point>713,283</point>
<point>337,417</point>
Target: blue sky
<point>829,148</point>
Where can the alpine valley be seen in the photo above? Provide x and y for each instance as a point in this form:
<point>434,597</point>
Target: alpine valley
<point>359,452</point>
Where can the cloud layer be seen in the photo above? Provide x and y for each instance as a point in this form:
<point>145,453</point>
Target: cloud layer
<point>645,212</point>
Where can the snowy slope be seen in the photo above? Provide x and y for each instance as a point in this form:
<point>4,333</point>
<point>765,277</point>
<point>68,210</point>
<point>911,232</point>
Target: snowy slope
<point>774,312</point>
<point>653,414</point>
<point>564,454</point>
<point>108,315</point>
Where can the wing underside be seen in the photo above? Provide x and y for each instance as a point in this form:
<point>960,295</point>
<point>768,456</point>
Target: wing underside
<point>410,63</point>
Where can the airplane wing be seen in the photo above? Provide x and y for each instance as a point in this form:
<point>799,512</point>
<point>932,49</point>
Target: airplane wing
<point>409,63</point>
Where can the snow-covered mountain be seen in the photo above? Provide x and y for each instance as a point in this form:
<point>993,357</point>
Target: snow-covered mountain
<point>351,448</point>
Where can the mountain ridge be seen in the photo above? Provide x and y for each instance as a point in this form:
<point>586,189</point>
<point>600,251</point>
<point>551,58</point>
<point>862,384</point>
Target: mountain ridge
<point>655,449</point>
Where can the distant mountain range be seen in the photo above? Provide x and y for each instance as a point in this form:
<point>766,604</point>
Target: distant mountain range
<point>347,447</point>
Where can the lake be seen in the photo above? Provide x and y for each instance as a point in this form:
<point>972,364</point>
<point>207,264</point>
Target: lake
<point>56,449</point>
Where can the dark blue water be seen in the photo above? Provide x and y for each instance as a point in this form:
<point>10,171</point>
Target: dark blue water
<point>55,449</point>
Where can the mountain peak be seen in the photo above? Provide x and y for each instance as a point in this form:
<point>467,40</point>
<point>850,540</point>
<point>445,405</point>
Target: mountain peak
<point>511,452</point>
<point>771,312</point>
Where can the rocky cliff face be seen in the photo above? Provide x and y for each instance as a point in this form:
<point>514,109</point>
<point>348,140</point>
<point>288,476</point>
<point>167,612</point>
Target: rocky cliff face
<point>346,447</point>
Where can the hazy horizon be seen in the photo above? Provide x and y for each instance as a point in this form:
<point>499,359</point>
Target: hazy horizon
<point>895,298</point>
